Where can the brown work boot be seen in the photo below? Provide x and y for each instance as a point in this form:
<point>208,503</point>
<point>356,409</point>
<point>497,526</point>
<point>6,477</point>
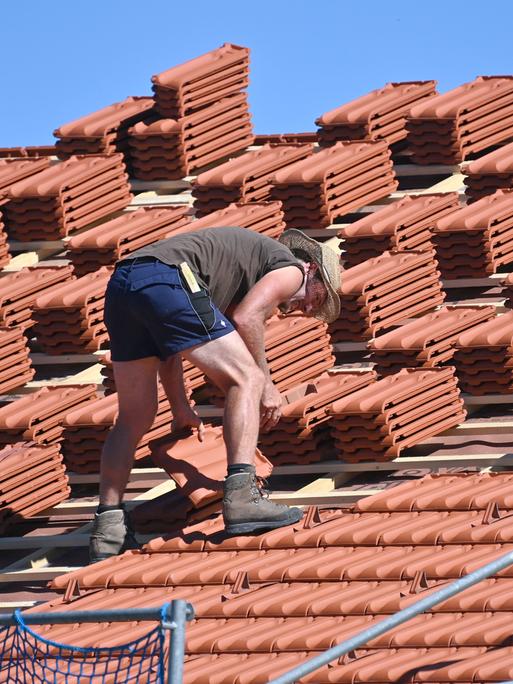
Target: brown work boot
<point>246,510</point>
<point>111,535</point>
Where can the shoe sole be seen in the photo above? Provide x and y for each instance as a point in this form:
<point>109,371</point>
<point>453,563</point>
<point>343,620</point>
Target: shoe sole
<point>248,527</point>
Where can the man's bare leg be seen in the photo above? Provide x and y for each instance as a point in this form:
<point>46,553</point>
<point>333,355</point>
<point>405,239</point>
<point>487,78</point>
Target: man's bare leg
<point>228,363</point>
<point>136,385</point>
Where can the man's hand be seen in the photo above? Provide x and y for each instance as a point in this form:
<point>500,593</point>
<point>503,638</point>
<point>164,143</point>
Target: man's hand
<point>270,407</point>
<point>186,419</point>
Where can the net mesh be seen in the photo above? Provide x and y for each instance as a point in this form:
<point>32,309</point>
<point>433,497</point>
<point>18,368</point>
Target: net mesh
<point>27,657</point>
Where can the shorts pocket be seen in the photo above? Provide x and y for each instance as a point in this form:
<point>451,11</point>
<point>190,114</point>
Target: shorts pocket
<point>202,305</point>
<point>170,278</point>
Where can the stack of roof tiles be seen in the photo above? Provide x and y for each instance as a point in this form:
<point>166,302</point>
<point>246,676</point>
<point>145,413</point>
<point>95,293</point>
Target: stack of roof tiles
<point>11,171</point>
<point>333,182</point>
<point>20,290</point>
<point>33,478</point>
<point>116,239</point>
<point>266,603</point>
<point>378,422</point>
<point>379,115</point>
<point>87,427</point>
<point>262,217</point>
<point>104,131</point>
<point>66,197</point>
<point>297,348</point>
<point>244,179</point>
<point>69,317</point>
<point>477,239</point>
<point>193,378</point>
<point>171,149</point>
<point>198,469</point>
<point>484,357</point>
<point>447,128</point>
<point>207,116</point>
<point>15,365</point>
<point>302,434</point>
<point>28,151</point>
<point>489,173</point>
<point>39,416</point>
<point>381,292</point>
<point>426,342</point>
<point>402,225</point>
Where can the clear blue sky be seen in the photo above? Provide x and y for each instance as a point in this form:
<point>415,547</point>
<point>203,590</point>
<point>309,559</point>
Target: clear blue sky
<point>61,59</point>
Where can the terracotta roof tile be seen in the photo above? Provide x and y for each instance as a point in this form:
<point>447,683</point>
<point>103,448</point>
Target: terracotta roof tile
<point>33,478</point>
<point>382,291</point>
<point>491,172</point>
<point>15,364</point>
<point>103,131</point>
<point>28,151</point>
<point>39,416</point>
<point>427,341</point>
<point>402,225</point>
<point>66,197</point>
<point>264,139</point>
<point>21,289</point>
<point>379,421</point>
<point>118,238</point>
<point>263,217</point>
<point>470,118</point>
<point>246,178</point>
<point>378,115</point>
<point>201,81</point>
<point>317,190</point>
<point>14,170</point>
<point>173,148</point>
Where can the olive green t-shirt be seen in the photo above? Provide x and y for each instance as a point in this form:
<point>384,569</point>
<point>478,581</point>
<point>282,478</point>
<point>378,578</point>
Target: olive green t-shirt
<point>226,261</point>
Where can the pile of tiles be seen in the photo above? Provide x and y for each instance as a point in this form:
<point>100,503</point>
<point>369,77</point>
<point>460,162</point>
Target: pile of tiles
<point>244,179</point>
<point>447,128</point>
<point>69,317</point>
<point>198,469</point>
<point>319,189</point>
<point>173,148</point>
<point>381,292</point>
<point>20,290</point>
<point>379,115</point>
<point>33,478</point>
<point>484,357</point>
<point>302,434</point>
<point>202,81</point>
<point>378,422</point>
<point>65,197</point>
<point>86,429</point>
<point>262,217</point>
<point>15,365</point>
<point>29,151</point>
<point>116,239</point>
<point>493,171</point>
<point>11,171</point>
<point>104,131</point>
<point>402,225</point>
<point>38,417</point>
<point>266,603</point>
<point>477,239</point>
<point>428,341</point>
<point>193,378</point>
<point>297,348</point>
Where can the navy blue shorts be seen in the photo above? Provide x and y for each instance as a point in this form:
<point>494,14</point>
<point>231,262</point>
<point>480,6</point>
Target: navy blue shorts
<point>150,311</point>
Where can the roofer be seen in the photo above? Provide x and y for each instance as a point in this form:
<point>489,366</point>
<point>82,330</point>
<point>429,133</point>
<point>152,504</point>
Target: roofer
<point>205,296</point>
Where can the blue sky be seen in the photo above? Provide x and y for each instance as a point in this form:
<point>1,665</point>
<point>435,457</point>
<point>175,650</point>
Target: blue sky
<point>63,59</point>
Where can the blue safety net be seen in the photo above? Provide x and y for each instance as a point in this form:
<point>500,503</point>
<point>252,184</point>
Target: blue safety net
<point>29,658</point>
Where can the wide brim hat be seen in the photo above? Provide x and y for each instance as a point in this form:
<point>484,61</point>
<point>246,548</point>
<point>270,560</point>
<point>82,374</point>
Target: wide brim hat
<point>328,262</point>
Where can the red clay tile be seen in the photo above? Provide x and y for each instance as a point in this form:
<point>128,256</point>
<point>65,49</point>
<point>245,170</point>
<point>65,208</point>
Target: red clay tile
<point>246,178</point>
<point>28,151</point>
<point>275,138</point>
<point>201,81</point>
<point>263,217</point>
<point>379,115</point>
<point>489,173</point>
<point>15,364</point>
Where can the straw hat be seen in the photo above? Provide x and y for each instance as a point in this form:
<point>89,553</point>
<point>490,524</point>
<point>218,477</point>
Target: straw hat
<point>329,269</point>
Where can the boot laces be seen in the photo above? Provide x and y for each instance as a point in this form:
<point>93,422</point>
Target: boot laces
<point>261,487</point>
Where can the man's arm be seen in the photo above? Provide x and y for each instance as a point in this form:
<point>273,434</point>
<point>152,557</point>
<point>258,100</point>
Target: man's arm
<point>171,376</point>
<point>249,318</point>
